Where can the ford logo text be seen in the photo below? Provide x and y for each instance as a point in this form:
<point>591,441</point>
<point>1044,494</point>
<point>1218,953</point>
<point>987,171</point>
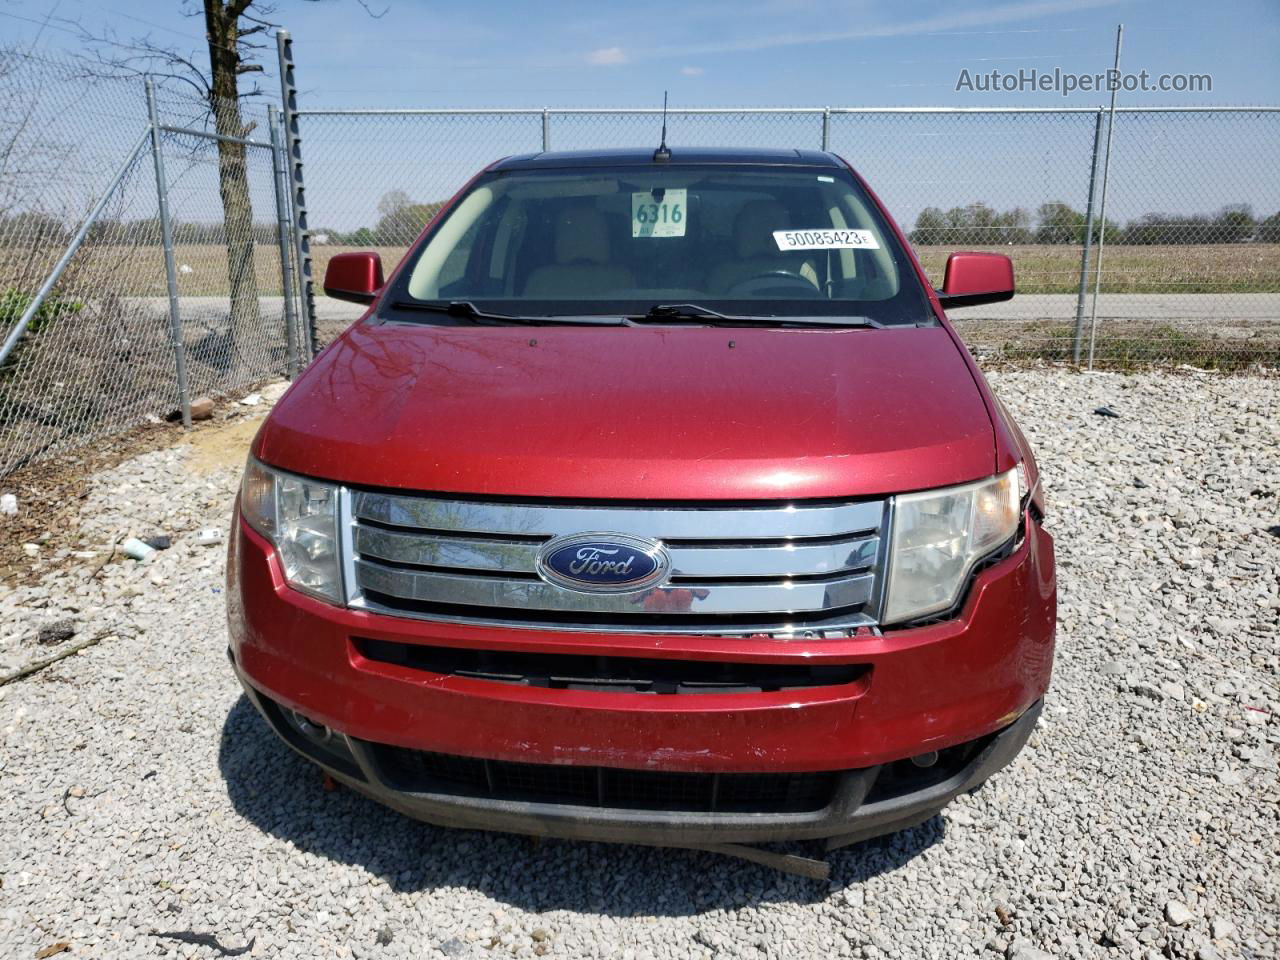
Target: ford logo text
<point>603,563</point>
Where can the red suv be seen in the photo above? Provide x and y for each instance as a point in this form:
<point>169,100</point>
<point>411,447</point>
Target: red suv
<point>653,499</point>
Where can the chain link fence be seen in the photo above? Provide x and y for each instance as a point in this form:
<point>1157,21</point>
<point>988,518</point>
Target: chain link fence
<point>147,258</point>
<point>127,287</point>
<point>1186,269</point>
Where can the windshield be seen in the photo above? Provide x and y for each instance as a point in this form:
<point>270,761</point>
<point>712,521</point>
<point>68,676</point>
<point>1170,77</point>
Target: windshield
<point>742,240</point>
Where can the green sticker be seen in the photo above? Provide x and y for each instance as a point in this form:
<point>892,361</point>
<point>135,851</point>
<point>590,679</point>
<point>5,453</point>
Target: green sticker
<point>659,213</point>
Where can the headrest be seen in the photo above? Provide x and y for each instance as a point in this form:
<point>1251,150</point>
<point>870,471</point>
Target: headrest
<point>753,229</point>
<point>581,234</point>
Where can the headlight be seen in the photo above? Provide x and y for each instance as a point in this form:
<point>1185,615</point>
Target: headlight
<point>939,535</point>
<point>299,516</point>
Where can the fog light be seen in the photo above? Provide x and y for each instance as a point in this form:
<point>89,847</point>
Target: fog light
<point>314,731</point>
<point>925,759</point>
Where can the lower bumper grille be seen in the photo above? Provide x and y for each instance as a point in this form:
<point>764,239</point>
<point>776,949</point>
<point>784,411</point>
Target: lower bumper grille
<point>417,771</point>
<point>608,674</point>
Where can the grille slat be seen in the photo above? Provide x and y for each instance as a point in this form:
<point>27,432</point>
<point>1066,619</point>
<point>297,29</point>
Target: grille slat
<point>772,559</point>
<point>683,599</point>
<point>675,523</point>
<point>745,569</point>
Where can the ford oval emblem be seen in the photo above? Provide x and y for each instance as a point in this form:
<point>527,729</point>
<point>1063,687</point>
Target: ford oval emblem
<point>603,563</point>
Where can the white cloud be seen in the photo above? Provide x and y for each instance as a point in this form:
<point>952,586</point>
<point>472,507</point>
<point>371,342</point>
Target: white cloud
<point>1011,12</point>
<point>607,57</point>
<point>692,71</point>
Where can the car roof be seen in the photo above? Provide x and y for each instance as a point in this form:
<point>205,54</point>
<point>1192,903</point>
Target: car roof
<point>643,156</point>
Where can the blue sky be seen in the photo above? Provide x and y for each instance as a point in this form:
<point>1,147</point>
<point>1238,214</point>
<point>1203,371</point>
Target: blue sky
<point>719,52</point>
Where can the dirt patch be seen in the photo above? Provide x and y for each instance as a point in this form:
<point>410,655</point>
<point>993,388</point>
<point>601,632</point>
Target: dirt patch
<point>226,445</point>
<point>50,492</point>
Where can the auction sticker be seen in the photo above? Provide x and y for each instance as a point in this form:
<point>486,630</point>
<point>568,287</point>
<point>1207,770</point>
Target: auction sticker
<point>659,213</point>
<point>825,240</point>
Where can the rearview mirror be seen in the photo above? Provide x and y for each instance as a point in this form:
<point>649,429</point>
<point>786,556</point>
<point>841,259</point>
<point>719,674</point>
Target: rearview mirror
<point>354,276</point>
<point>974,278</point>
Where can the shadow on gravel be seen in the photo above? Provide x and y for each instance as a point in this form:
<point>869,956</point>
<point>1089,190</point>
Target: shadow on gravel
<point>280,793</point>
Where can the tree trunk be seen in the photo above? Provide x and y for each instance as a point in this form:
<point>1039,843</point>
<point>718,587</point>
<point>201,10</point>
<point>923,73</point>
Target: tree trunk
<point>221,22</point>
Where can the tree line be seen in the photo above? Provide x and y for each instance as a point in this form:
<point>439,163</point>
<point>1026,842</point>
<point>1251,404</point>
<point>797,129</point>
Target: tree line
<point>400,220</point>
<point>33,229</point>
<point>1058,223</point>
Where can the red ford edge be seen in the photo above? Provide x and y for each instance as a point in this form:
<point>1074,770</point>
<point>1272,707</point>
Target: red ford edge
<point>654,499</point>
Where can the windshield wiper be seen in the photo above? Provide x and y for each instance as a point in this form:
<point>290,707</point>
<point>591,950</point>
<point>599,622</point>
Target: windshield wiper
<point>466,310</point>
<point>714,318</point>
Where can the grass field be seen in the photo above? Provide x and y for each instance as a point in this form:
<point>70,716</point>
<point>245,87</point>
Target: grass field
<point>1220,268</point>
<point>1213,268</point>
<point>1128,344</point>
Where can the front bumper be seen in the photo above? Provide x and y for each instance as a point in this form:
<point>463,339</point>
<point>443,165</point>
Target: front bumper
<point>971,685</point>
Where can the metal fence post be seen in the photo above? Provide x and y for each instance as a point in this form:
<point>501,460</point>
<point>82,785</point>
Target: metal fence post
<point>170,271</point>
<point>281,190</point>
<point>297,191</point>
<point>826,128</point>
<point>1102,206</point>
<point>546,130</point>
<point>1088,244</point>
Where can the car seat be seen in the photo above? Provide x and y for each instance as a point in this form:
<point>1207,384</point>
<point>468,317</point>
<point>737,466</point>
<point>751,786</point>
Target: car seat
<point>756,252</point>
<point>581,269</point>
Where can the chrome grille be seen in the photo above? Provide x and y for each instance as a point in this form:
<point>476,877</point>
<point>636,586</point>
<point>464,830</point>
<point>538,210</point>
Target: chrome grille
<point>777,568</point>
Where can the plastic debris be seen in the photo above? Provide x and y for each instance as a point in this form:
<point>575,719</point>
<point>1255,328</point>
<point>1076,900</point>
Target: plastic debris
<point>209,536</point>
<point>252,400</point>
<point>204,940</point>
<point>1106,412</point>
<point>9,504</point>
<point>158,541</point>
<point>135,549</point>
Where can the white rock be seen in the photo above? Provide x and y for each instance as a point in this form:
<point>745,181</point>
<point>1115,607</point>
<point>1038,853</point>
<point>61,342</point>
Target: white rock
<point>274,391</point>
<point>1025,950</point>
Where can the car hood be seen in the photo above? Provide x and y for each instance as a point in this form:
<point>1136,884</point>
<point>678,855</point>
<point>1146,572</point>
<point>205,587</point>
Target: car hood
<point>666,413</point>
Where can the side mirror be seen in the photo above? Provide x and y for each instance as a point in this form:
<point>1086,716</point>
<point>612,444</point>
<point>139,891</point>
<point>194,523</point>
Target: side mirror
<point>974,278</point>
<point>354,276</point>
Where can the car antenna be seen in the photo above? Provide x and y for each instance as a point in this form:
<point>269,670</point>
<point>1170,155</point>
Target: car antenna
<point>662,154</point>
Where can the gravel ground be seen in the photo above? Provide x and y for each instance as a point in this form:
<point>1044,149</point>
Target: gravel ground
<point>141,794</point>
